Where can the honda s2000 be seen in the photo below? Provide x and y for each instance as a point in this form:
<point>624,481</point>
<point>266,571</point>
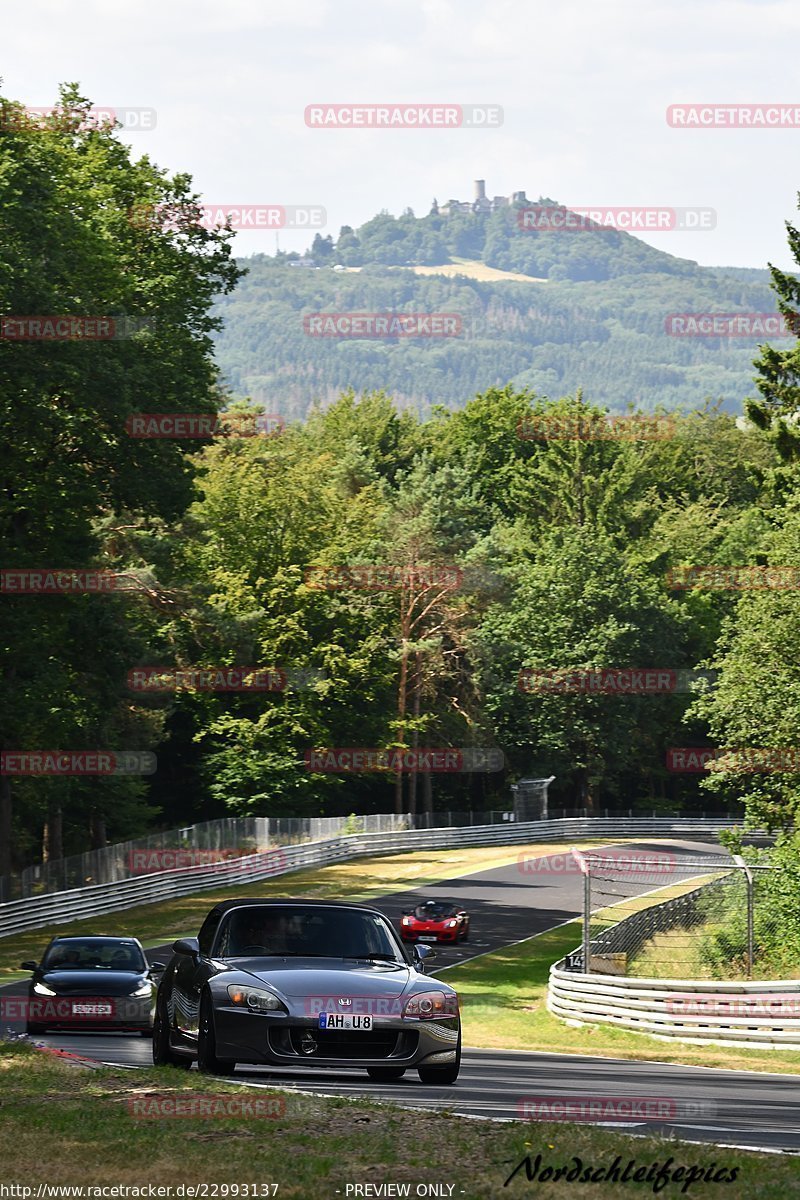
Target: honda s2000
<point>305,983</point>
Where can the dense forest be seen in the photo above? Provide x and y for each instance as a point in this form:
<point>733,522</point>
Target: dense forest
<point>495,552</point>
<point>593,314</point>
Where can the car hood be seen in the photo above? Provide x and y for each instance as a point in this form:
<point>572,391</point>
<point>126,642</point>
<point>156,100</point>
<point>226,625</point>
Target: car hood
<point>93,983</point>
<point>296,977</point>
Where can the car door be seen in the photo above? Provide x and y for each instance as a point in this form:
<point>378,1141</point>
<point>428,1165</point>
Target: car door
<point>189,977</point>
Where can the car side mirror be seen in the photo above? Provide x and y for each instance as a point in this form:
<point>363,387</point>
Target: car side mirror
<point>155,967</point>
<point>189,946</point>
<point>29,965</point>
<point>420,953</point>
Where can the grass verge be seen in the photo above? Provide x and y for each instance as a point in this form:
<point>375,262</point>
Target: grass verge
<point>503,998</point>
<point>65,1125</point>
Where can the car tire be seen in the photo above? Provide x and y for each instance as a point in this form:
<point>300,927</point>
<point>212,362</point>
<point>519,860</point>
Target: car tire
<point>465,935</point>
<point>442,1075</point>
<point>386,1074</point>
<point>163,1054</point>
<point>207,1061</point>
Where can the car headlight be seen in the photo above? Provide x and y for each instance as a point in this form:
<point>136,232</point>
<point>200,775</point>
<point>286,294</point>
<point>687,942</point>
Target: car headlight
<point>427,1005</point>
<point>406,921</point>
<point>254,999</point>
<point>143,990</point>
<point>450,924</point>
<point>43,990</point>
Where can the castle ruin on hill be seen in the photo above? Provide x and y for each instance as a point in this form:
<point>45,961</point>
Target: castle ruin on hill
<point>480,203</point>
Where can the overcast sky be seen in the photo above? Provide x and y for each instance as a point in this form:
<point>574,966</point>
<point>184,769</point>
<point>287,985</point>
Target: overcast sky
<point>584,89</point>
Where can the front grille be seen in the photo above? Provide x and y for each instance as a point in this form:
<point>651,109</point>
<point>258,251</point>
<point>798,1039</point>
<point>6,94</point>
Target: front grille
<point>345,1043</point>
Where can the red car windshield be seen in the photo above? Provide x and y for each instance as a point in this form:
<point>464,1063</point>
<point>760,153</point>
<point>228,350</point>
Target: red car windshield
<point>435,912</point>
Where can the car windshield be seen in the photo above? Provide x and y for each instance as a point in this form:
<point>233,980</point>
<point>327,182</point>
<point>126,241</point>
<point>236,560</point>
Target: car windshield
<point>87,954</point>
<point>294,930</point>
<point>434,910</point>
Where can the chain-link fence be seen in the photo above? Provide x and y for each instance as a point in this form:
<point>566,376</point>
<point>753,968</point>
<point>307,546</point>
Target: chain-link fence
<point>217,841</point>
<point>230,837</point>
<point>660,914</point>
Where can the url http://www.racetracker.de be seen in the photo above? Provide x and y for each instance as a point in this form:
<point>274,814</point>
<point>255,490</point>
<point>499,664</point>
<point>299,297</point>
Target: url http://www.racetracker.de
<point>180,1191</point>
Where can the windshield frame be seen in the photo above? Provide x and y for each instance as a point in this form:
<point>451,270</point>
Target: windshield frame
<point>451,911</point>
<point>83,945</point>
<point>220,947</point>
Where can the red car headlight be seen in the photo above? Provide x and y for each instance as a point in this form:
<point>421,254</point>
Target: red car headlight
<point>450,924</point>
<point>407,921</point>
<point>425,1006</point>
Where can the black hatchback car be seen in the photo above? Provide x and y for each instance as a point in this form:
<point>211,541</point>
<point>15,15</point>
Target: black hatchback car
<point>305,983</point>
<point>92,983</point>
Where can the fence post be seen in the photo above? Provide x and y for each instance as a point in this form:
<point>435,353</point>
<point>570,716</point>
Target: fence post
<point>737,858</point>
<point>587,904</point>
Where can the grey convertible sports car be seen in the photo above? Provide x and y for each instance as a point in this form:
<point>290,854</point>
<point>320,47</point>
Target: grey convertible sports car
<point>305,982</point>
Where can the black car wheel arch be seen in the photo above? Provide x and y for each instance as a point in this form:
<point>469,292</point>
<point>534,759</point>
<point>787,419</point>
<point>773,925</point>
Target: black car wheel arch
<point>163,1054</point>
<point>207,1061</point>
<point>442,1075</point>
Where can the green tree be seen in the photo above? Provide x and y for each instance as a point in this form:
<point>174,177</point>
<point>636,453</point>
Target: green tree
<point>70,246</point>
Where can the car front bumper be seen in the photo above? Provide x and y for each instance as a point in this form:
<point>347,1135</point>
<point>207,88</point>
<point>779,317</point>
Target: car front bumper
<point>89,1013</point>
<point>447,935</point>
<point>298,1041</point>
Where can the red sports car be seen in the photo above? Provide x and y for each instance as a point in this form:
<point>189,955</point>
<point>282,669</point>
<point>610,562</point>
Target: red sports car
<point>435,921</point>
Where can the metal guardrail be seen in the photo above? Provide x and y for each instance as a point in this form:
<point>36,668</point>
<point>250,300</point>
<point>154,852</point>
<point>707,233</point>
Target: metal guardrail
<point>765,1014</point>
<point>723,1013</point>
<point>57,907</point>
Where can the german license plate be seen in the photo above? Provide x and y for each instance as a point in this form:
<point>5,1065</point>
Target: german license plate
<point>362,1022</point>
<point>95,1009</point>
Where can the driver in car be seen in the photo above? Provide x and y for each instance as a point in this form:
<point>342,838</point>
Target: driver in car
<point>258,933</point>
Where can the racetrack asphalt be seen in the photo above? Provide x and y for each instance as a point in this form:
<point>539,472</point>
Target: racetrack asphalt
<point>508,904</point>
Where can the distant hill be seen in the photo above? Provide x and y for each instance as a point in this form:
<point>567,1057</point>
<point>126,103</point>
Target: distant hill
<point>552,311</point>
